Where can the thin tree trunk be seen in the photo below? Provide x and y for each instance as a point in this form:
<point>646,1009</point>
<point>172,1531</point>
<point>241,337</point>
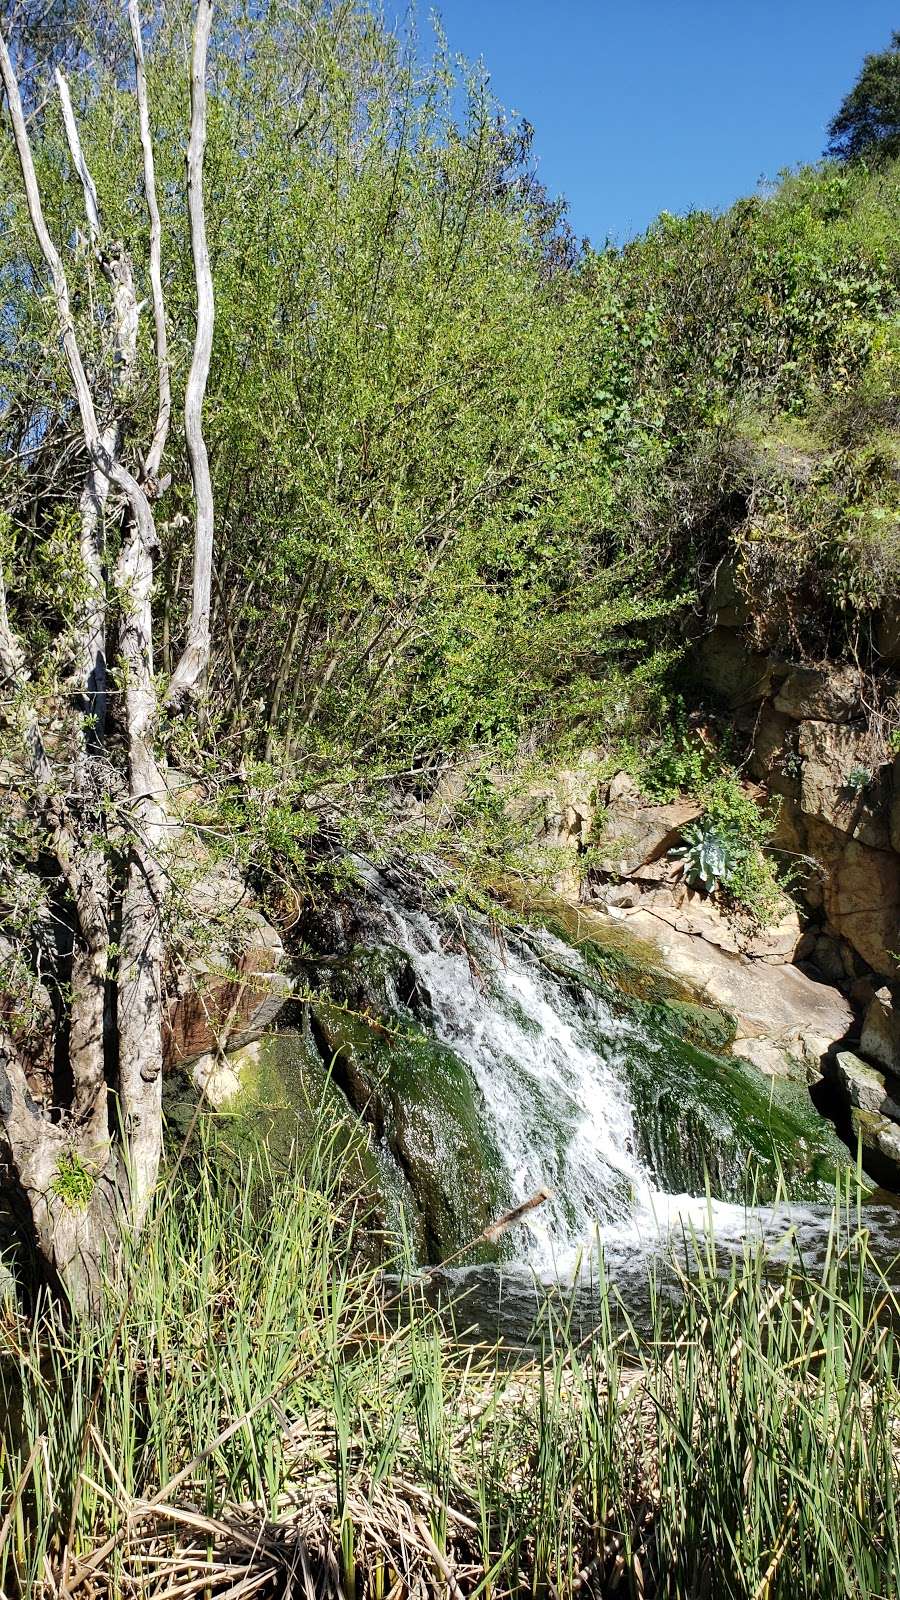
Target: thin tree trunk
<point>139,1001</point>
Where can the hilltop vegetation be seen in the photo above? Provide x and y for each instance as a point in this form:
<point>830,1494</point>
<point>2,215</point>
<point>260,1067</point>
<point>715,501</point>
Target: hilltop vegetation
<point>469,477</point>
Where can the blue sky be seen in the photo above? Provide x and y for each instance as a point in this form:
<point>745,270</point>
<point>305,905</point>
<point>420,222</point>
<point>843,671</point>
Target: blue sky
<point>666,104</point>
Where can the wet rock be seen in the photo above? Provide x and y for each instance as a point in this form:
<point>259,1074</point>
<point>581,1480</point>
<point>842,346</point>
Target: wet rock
<point>804,1020</point>
<point>880,1039</point>
<point>837,785</point>
<point>219,1078</point>
<point>232,991</point>
<point>772,1059</point>
<point>825,694</point>
<point>421,1102</point>
<point>864,1086</point>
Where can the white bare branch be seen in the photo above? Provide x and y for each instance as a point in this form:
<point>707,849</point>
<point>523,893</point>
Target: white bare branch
<point>191,667</point>
<point>116,268</point>
<point>161,431</point>
<point>91,205</point>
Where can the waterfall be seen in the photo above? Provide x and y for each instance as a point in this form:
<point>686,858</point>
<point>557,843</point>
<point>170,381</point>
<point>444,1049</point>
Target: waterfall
<point>569,1090</point>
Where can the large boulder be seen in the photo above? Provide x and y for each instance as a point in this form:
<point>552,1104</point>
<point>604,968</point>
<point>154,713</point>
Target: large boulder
<point>822,694</point>
<point>860,889</point>
<point>895,808</point>
<point>838,786</point>
<point>879,1137</point>
<point>880,1039</point>
<point>702,918</point>
<point>231,988</point>
<point>864,1086</point>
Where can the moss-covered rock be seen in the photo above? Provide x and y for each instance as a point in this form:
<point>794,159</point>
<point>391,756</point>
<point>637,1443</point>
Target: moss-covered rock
<point>423,1106</point>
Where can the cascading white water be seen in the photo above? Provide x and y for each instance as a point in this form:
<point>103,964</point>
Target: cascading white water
<point>551,1072</point>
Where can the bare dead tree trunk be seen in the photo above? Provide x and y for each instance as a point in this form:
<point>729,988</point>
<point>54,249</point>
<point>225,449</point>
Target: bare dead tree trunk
<point>116,1176</point>
<point>116,269</point>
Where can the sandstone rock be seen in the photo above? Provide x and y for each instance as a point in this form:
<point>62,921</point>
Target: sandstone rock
<point>621,894</point>
<point>621,787</point>
<point>633,835</point>
<point>773,1060</point>
<point>880,1039</point>
<point>736,675</point>
<point>866,1087</point>
<point>789,831</point>
<point>861,893</point>
<point>559,810</point>
<point>862,992</point>
<point>826,955</point>
<point>802,1018</point>
<point>825,694</point>
<point>771,734</point>
<point>231,992</point>
<point>831,754</point>
<point>701,919</point>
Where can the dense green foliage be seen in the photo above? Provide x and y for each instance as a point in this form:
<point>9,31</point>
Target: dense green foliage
<point>867,124</point>
<point>466,476</point>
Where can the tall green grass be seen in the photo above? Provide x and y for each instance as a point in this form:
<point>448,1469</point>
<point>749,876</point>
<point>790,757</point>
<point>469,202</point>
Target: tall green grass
<point>257,1410</point>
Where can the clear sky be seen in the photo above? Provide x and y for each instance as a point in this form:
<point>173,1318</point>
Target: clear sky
<point>666,104</point>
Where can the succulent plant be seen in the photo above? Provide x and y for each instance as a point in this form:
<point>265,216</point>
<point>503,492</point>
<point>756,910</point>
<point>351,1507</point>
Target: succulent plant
<point>710,859</point>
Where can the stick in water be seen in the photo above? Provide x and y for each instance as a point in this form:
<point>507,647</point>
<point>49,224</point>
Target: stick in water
<point>492,1234</point>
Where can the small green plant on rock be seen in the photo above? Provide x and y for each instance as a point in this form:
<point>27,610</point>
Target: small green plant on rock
<point>724,851</point>
<point>710,861</point>
<point>73,1183</point>
<point>859,779</point>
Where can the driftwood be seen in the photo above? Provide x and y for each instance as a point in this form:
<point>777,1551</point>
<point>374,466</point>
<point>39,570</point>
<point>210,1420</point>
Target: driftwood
<point>492,1234</point>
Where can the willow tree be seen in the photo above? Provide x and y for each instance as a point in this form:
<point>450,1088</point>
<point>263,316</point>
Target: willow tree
<point>85,1144</point>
